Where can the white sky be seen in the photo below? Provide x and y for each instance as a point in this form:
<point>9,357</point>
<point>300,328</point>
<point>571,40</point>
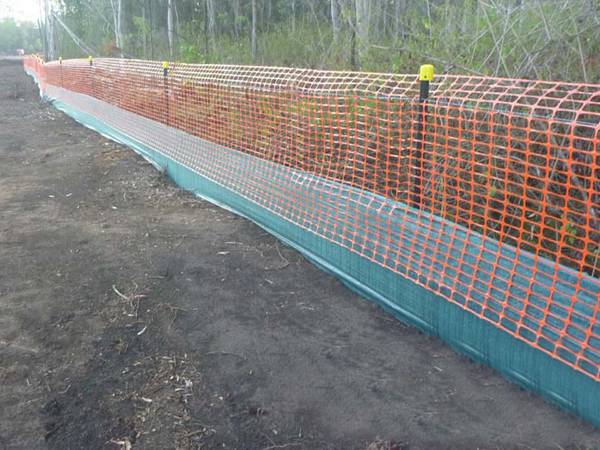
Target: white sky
<point>21,10</point>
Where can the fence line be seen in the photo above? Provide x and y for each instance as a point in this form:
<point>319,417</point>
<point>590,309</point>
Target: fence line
<point>506,221</point>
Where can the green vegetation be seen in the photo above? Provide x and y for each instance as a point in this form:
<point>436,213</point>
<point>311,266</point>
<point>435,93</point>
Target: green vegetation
<point>15,35</point>
<point>544,39</point>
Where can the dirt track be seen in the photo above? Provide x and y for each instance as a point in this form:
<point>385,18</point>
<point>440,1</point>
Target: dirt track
<point>133,312</point>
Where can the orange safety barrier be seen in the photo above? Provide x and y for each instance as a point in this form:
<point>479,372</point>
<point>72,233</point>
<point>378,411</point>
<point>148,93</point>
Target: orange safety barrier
<point>516,161</point>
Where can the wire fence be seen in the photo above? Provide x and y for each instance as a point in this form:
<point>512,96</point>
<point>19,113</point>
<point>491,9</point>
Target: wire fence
<point>487,192</point>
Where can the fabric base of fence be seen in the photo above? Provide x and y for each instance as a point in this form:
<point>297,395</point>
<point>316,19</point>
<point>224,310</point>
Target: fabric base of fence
<point>405,299</point>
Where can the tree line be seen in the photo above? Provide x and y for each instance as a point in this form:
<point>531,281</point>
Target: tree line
<point>547,39</point>
<point>16,35</point>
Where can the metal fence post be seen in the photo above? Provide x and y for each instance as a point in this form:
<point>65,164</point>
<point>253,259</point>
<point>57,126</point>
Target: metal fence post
<point>91,61</point>
<point>165,66</point>
<point>426,74</point>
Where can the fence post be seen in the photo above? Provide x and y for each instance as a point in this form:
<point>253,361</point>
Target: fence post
<point>165,66</point>
<point>91,61</point>
<point>426,74</point>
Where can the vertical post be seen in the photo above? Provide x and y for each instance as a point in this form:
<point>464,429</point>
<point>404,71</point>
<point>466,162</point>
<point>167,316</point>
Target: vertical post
<point>426,74</point>
<point>61,71</point>
<point>91,61</point>
<point>166,88</point>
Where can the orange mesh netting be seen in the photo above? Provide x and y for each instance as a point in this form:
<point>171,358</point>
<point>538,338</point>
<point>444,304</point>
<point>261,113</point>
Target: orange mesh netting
<point>513,161</point>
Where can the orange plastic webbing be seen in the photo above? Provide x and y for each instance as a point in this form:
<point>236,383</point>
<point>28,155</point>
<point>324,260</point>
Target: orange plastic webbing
<point>514,160</point>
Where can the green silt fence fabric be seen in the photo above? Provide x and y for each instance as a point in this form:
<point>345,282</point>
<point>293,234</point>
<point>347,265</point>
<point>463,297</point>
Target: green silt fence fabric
<point>410,302</point>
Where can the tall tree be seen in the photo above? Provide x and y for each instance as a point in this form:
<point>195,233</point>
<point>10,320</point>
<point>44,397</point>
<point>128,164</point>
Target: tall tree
<point>151,29</point>
<point>253,37</point>
<point>362,13</point>
<point>211,18</point>
<point>399,6</point>
<point>170,31</point>
<point>144,29</point>
<point>49,28</point>
<point>293,14</point>
<point>237,17</point>
<point>117,10</point>
<point>335,19</point>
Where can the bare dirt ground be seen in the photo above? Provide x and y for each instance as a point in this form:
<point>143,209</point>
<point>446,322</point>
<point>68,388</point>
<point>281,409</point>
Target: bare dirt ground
<point>132,314</point>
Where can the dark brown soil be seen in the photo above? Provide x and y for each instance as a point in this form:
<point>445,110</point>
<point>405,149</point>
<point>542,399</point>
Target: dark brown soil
<point>133,313</point>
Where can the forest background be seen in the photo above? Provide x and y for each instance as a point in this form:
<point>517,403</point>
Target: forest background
<point>542,39</point>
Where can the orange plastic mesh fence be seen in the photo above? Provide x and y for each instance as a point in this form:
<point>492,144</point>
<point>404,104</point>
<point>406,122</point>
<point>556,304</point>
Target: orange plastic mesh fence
<point>513,160</point>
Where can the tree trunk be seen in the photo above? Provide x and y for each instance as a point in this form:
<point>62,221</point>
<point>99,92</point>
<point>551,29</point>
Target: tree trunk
<point>253,38</point>
<point>398,11</point>
<point>211,23</point>
<point>268,12</point>
<point>293,16</point>
<point>384,19</point>
<point>49,32</point>
<point>151,29</point>
<point>43,37</point>
<point>117,11</point>
<point>237,14</point>
<point>362,26</point>
<point>144,31</point>
<point>176,12</point>
<point>335,20</point>
<point>170,32</point>
<point>353,58</point>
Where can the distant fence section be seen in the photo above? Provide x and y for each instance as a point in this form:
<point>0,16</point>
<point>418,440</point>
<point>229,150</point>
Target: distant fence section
<point>486,194</point>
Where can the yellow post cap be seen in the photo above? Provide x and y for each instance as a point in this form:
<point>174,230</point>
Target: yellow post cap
<point>426,72</point>
<point>165,64</point>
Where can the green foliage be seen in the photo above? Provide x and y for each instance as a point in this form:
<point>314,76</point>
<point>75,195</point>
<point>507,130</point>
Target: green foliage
<point>141,25</point>
<point>544,39</point>
<point>570,233</point>
<point>14,35</point>
<point>190,53</point>
<point>11,37</point>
